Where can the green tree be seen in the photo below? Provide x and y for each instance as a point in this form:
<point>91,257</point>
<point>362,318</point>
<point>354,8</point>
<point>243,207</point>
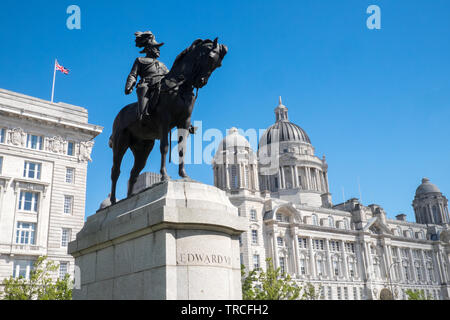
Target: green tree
<point>269,285</point>
<point>310,292</point>
<point>40,285</point>
<point>417,295</point>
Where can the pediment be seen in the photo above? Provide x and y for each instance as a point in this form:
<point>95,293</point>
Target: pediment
<point>375,225</point>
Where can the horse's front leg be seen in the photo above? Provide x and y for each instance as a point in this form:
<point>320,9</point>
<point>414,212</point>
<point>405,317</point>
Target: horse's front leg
<point>164,148</point>
<point>182,142</point>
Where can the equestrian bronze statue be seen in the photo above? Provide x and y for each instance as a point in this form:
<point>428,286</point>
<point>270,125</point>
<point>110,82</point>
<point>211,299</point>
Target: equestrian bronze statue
<point>137,129</point>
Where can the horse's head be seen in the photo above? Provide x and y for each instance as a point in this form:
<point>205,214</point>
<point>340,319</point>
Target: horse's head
<point>210,56</point>
<point>197,63</point>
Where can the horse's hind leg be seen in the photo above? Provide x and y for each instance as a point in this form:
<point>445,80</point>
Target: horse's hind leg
<point>140,150</point>
<point>119,148</point>
<point>182,142</point>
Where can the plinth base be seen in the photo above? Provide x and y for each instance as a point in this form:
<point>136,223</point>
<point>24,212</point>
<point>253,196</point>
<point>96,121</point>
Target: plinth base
<point>176,240</point>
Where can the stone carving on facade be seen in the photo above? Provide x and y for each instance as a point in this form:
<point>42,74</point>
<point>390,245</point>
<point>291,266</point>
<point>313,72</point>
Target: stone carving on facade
<point>56,144</point>
<point>17,137</point>
<point>85,150</point>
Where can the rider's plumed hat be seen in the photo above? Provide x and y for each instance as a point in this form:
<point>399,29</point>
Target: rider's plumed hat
<point>147,38</point>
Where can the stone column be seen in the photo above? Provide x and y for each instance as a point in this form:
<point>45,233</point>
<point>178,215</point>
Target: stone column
<point>227,176</point>
<point>369,260</point>
<point>361,261</point>
<point>294,184</point>
<point>389,261</point>
<point>330,264</point>
<point>312,263</point>
<point>296,251</point>
<point>344,258</point>
<point>276,262</point>
<point>413,268</point>
<point>297,181</point>
<point>326,181</point>
<point>308,179</point>
<point>401,276</point>
<point>424,265</point>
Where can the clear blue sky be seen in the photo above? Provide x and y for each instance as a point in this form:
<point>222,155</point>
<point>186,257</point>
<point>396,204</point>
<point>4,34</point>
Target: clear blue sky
<point>375,102</point>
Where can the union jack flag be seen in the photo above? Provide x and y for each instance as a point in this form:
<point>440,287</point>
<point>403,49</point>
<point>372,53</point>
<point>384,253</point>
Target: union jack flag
<point>61,68</point>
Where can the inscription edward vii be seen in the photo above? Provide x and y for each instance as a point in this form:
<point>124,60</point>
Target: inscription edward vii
<point>189,258</point>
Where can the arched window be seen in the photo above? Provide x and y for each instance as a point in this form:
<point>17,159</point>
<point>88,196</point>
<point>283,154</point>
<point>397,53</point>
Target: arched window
<point>302,265</point>
<point>336,269</point>
<point>351,268</point>
<point>315,221</point>
<point>320,266</point>
<point>330,222</point>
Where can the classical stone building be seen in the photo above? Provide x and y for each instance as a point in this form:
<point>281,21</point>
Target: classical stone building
<point>348,251</point>
<point>44,152</point>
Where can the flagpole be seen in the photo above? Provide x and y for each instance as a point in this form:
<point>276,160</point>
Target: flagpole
<point>54,76</point>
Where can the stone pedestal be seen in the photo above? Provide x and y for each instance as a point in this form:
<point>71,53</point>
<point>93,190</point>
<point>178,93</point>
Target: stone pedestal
<point>177,240</point>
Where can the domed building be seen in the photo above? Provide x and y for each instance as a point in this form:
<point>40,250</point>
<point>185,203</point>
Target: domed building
<point>430,205</point>
<point>347,251</point>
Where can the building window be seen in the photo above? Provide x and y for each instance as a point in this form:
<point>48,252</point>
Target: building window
<point>255,236</point>
<point>22,269</point>
<point>351,269</point>
<point>330,293</point>
<point>315,221</point>
<point>302,244</point>
<point>253,214</point>
<point>320,269</point>
<point>302,266</point>
<point>350,247</point>
<point>318,244</point>
<point>339,293</point>
<point>68,204</point>
<point>282,265</point>
<point>330,222</point>
<point>70,149</point>
<point>34,142</point>
<point>240,240</point>
<point>2,135</point>
<point>336,267</point>
<point>280,241</point>
<point>256,261</point>
<point>63,269</point>
<point>345,293</point>
<point>419,273</point>
<point>28,201</point>
<point>65,237</point>
<point>25,233</point>
<point>70,175</point>
<point>32,170</point>
<point>1,164</point>
<point>355,293</point>
<point>335,246</point>
<point>279,217</point>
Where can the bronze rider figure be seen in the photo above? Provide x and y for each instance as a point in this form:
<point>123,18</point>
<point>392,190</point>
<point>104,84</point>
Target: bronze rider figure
<point>150,71</point>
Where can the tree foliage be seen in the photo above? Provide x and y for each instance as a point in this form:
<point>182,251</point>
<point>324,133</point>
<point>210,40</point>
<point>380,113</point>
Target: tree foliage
<point>417,295</point>
<point>40,285</point>
<point>272,284</point>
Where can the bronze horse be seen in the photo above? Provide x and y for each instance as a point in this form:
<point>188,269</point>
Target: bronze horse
<point>191,69</point>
